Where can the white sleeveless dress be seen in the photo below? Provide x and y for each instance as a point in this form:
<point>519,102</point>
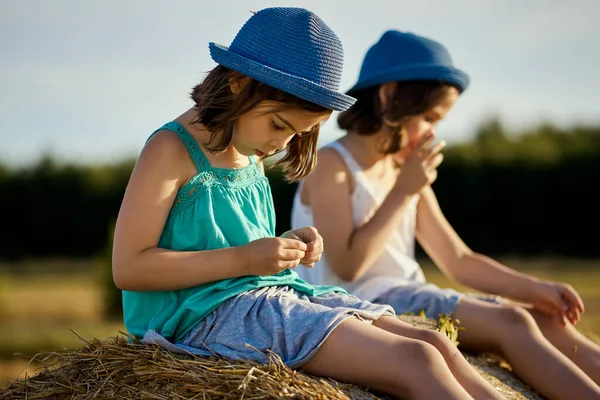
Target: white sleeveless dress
<point>395,278</point>
<point>395,267</point>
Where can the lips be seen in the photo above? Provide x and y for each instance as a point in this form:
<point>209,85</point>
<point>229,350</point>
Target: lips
<point>259,153</point>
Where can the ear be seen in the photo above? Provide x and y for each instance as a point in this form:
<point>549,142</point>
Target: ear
<point>237,83</point>
<point>385,93</point>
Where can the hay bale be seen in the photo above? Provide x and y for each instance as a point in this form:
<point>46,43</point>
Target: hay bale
<point>117,368</point>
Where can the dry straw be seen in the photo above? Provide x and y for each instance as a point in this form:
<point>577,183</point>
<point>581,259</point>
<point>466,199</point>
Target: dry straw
<point>119,369</point>
<point>122,368</point>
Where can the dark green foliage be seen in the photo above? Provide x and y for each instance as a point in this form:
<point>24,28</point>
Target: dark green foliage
<point>530,193</point>
<point>113,303</point>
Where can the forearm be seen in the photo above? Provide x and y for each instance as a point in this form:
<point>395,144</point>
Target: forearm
<point>158,269</point>
<point>487,275</point>
<point>367,242</point>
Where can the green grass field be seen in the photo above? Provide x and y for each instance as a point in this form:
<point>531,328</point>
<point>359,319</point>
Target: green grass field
<point>39,309</point>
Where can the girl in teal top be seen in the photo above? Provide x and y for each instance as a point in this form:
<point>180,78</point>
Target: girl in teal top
<point>195,251</point>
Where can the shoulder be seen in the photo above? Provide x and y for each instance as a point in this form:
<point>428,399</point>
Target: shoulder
<point>330,161</point>
<point>166,153</point>
<point>165,144</point>
<point>330,169</point>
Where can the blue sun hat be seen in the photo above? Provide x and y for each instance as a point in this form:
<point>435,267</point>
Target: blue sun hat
<point>402,56</point>
<point>290,49</point>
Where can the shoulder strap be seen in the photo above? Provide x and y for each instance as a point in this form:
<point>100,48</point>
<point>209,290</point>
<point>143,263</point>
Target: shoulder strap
<point>351,163</point>
<point>190,143</point>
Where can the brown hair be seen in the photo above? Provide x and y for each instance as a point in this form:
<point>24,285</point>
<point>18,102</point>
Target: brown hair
<point>218,108</point>
<point>410,98</point>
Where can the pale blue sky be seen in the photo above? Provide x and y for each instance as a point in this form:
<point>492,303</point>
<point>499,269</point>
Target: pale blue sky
<point>88,81</point>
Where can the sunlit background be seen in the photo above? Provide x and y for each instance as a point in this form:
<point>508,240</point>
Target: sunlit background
<point>83,84</point>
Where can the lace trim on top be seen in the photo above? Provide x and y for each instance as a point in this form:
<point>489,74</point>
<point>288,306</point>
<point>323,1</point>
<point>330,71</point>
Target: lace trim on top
<point>208,175</point>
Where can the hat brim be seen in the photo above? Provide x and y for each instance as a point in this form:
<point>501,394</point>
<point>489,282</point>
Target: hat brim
<point>297,86</point>
<point>429,72</point>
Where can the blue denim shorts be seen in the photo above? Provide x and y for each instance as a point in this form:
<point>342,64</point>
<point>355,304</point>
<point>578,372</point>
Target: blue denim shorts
<point>280,319</point>
<point>431,299</point>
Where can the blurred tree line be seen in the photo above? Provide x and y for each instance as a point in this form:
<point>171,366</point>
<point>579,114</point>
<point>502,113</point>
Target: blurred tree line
<point>525,193</point>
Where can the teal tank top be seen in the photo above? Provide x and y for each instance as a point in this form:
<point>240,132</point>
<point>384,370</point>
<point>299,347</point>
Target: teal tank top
<point>217,208</point>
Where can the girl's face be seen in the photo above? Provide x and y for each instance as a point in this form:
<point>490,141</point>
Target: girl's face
<point>266,129</point>
<point>427,122</point>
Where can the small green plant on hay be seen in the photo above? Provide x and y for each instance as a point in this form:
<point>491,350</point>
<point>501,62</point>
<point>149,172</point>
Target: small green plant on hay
<point>445,324</point>
<point>449,327</point>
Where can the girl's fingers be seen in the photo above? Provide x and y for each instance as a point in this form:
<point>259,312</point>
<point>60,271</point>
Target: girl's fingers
<point>573,315</point>
<point>294,244</point>
<point>559,317</point>
<point>572,298</point>
<point>311,259</point>
<point>548,309</point>
<point>289,265</point>
<point>292,255</point>
<point>430,153</point>
<point>436,161</point>
<point>422,144</point>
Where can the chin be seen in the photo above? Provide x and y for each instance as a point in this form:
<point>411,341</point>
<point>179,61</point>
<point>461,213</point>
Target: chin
<point>245,151</point>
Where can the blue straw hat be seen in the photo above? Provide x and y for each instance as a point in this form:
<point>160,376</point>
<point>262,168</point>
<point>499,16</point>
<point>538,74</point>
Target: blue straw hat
<point>291,49</point>
<point>401,56</point>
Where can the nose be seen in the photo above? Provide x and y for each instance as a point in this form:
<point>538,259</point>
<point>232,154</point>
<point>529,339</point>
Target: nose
<point>281,143</point>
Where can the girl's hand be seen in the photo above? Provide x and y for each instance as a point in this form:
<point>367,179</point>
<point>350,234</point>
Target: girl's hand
<point>558,300</point>
<point>314,244</point>
<point>419,167</point>
<point>270,256</point>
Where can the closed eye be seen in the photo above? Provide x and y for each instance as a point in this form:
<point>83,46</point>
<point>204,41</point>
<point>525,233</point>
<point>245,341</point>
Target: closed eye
<point>277,127</point>
<point>432,117</point>
<point>300,134</point>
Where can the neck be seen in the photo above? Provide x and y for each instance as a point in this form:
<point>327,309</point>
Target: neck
<point>367,147</point>
<point>229,158</point>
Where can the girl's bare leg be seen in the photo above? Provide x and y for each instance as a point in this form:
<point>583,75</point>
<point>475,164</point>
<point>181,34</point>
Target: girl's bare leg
<point>513,333</point>
<point>360,353</point>
<point>572,343</point>
<point>466,375</point>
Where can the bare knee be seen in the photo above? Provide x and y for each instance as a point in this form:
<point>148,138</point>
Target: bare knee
<point>419,363</point>
<point>518,328</point>
<point>437,339</point>
<point>516,317</point>
<point>422,355</point>
<point>546,322</point>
